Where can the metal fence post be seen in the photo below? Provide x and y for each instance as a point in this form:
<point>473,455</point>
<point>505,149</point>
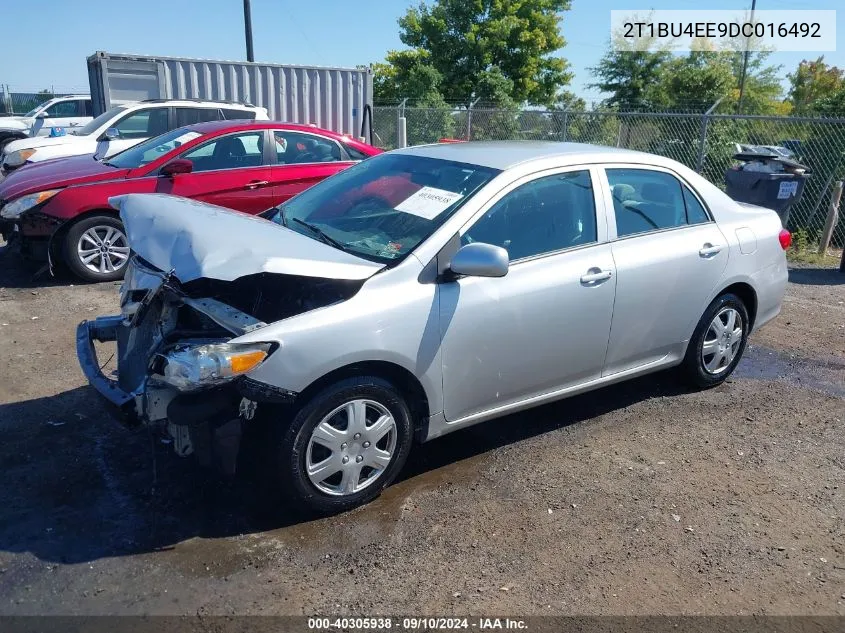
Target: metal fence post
<point>702,142</point>
<point>565,125</point>
<point>832,217</point>
<point>401,125</point>
<point>469,118</point>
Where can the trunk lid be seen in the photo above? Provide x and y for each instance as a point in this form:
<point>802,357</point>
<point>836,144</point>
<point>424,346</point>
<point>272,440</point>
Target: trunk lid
<point>198,240</point>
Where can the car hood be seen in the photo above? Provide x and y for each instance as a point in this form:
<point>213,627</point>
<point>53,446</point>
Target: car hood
<point>15,123</point>
<point>197,240</point>
<point>44,141</point>
<point>55,174</point>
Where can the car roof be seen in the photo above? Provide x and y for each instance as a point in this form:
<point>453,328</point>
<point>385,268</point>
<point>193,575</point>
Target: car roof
<point>195,103</point>
<point>507,154</point>
<point>210,127</point>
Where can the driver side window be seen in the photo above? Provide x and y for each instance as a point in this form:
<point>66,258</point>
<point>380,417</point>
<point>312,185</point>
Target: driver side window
<point>545,215</point>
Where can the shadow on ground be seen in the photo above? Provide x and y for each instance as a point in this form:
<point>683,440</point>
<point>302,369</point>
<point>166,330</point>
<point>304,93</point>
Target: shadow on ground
<point>816,276</point>
<point>16,272</point>
<point>79,487</point>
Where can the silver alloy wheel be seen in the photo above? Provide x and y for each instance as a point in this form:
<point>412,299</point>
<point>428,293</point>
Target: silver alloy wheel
<point>351,447</point>
<point>103,249</point>
<point>722,341</point>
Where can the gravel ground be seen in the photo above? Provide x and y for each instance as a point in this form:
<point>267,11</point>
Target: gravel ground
<point>642,498</point>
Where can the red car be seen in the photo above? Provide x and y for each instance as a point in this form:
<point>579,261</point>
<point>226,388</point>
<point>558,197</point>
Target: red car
<point>60,208</point>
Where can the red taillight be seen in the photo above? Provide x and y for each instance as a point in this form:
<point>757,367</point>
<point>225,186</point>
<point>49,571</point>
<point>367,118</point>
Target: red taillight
<point>785,238</point>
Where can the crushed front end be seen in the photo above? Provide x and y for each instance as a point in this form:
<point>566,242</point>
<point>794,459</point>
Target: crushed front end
<point>177,368</point>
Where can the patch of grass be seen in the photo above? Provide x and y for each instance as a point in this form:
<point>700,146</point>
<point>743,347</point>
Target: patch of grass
<point>803,251</point>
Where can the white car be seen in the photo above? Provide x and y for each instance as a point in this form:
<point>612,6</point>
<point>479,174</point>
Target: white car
<point>122,127</point>
<point>62,112</point>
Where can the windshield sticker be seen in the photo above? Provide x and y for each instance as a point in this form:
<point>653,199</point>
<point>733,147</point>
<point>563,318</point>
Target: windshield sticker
<point>428,202</point>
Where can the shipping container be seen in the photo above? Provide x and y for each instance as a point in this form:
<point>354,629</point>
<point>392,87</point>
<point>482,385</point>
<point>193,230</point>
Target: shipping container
<point>338,99</point>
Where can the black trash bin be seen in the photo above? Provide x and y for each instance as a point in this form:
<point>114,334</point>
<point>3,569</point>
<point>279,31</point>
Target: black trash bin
<point>767,179</point>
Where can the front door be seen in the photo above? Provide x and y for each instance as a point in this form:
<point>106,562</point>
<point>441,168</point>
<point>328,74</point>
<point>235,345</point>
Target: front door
<point>228,171</point>
<point>669,257</point>
<point>545,325</point>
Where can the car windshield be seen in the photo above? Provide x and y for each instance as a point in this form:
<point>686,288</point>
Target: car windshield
<point>93,125</point>
<point>36,110</point>
<point>385,206</point>
<point>148,151</point>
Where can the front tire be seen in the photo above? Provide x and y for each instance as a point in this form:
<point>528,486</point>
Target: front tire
<point>345,445</point>
<point>96,248</point>
<point>718,342</point>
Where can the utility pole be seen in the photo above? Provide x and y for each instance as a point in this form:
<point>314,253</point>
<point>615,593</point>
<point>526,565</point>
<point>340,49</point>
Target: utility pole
<point>745,63</point>
<point>250,57</point>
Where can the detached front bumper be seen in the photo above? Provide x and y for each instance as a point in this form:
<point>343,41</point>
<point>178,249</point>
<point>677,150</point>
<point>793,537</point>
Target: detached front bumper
<point>103,329</point>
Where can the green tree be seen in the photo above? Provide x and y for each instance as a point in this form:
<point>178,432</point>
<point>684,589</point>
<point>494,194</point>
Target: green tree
<point>694,81</point>
<point>408,75</point>
<point>628,76</point>
<point>499,50</point>
<point>813,81</point>
<point>762,92</point>
<point>832,105</point>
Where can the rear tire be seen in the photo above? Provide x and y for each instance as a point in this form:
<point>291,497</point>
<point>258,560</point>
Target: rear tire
<point>96,249</point>
<point>718,342</point>
<point>344,446</point>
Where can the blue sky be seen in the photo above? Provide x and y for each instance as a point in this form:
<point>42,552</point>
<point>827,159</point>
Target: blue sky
<point>46,43</point>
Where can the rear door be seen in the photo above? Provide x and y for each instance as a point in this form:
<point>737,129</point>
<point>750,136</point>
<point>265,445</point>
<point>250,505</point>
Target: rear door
<point>669,256</point>
<point>302,160</point>
<point>229,170</point>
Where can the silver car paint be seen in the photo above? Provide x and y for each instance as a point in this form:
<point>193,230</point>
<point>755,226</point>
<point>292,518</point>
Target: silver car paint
<point>483,347</point>
<point>203,240</point>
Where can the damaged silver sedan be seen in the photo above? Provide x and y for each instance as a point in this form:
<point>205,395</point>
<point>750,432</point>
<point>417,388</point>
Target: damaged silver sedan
<point>422,291</point>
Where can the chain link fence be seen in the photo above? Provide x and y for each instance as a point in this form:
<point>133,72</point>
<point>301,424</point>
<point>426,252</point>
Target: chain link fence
<point>18,103</point>
<point>703,142</point>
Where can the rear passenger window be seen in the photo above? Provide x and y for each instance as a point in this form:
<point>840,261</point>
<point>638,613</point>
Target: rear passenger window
<point>189,116</point>
<point>231,113</point>
<point>295,148</point>
<point>646,200</point>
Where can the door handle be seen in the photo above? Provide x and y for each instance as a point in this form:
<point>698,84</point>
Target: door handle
<point>708,249</point>
<point>595,275</point>
<point>255,184</point>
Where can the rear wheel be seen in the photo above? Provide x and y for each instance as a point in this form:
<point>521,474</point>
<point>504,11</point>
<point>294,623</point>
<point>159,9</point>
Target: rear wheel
<point>718,342</point>
<point>96,248</point>
<point>345,445</point>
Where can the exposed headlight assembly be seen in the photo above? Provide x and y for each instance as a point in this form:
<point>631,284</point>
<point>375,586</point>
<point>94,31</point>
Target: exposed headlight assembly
<point>12,210</point>
<point>191,368</point>
<point>18,158</point>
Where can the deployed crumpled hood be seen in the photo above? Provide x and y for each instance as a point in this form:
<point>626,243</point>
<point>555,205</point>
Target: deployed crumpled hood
<point>198,240</point>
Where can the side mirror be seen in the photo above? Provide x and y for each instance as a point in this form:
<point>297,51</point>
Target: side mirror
<point>110,134</point>
<point>177,166</point>
<point>42,115</point>
<point>480,260</point>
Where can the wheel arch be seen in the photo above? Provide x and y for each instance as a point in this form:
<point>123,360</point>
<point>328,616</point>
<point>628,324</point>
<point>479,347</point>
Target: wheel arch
<point>745,291</point>
<point>405,381</point>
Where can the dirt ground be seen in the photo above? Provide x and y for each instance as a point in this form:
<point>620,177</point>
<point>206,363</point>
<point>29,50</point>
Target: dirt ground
<point>642,498</point>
